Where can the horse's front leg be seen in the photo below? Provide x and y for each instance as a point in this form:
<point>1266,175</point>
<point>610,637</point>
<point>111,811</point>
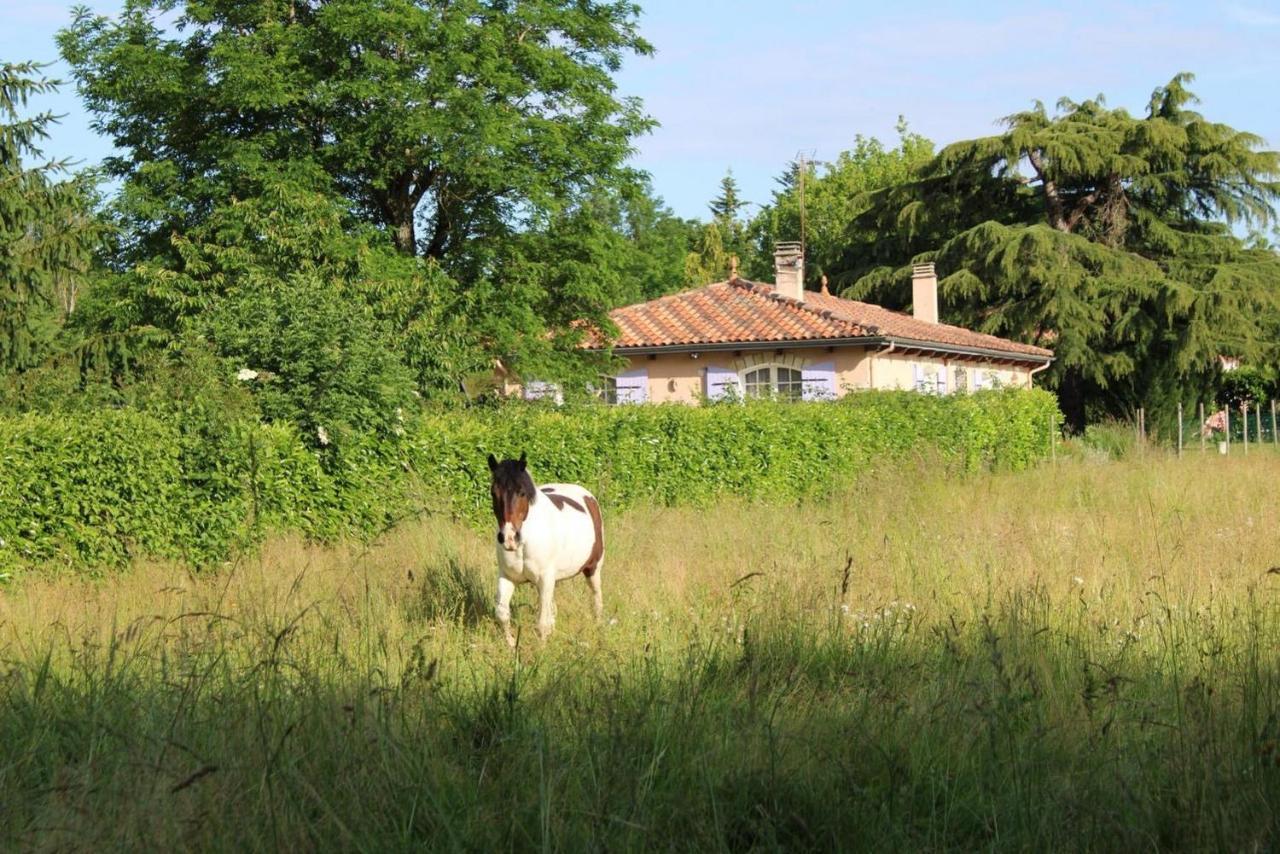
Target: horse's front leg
<point>546,605</point>
<point>502,609</point>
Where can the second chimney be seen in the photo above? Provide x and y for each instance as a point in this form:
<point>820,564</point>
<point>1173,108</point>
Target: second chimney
<point>788,269</point>
<point>924,293</point>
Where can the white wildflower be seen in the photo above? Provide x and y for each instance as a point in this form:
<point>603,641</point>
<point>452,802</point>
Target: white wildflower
<point>844,608</point>
<point>613,621</point>
<point>322,435</point>
<point>1077,581</point>
<point>247,375</point>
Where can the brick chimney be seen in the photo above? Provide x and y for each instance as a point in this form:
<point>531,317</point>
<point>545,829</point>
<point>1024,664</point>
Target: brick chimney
<point>788,269</point>
<point>924,293</point>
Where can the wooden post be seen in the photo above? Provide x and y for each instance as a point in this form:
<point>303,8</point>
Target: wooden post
<point>1275,435</point>
<point>1226,418</point>
<point>1257,419</point>
<point>1202,426</point>
<point>1244,425</point>
<point>1179,428</point>
<point>1053,442</point>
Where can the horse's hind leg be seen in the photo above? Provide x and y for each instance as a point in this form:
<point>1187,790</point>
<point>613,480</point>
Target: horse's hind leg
<point>597,597</point>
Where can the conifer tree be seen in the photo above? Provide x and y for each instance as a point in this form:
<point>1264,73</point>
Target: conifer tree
<point>1103,235</point>
<point>722,239</point>
<point>47,235</point>
<point>726,206</point>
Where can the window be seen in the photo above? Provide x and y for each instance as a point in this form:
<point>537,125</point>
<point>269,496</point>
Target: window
<point>773,380</point>
<point>931,379</point>
<point>608,390</point>
<point>962,379</point>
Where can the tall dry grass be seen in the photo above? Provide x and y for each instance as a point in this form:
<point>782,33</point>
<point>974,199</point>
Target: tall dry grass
<point>1079,656</point>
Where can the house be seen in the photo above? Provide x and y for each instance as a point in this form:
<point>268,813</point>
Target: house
<point>746,339</point>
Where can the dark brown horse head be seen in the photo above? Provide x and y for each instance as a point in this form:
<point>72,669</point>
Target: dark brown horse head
<point>512,491</point>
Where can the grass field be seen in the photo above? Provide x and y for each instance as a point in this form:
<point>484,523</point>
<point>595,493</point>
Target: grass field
<point>1082,656</point>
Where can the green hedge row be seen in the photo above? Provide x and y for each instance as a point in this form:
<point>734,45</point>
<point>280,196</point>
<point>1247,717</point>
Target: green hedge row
<point>86,491</point>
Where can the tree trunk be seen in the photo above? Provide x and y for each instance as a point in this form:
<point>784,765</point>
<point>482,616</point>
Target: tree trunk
<point>1052,201</point>
<point>1071,401</point>
<point>439,236</point>
<point>400,207</point>
<point>403,235</point>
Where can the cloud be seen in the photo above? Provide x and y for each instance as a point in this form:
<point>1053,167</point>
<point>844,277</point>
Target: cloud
<point>736,90</point>
<point>1253,17</point>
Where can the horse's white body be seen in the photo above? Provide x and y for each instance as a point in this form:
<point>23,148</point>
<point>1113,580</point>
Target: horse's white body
<point>557,540</point>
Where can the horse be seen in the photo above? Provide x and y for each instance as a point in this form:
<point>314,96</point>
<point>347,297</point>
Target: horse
<point>545,535</point>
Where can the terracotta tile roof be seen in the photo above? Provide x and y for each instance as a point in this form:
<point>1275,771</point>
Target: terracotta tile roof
<point>739,311</point>
<point>726,312</point>
<point>894,324</point>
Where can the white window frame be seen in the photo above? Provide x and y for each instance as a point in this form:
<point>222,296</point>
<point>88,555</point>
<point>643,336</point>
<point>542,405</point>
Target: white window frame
<point>773,368</point>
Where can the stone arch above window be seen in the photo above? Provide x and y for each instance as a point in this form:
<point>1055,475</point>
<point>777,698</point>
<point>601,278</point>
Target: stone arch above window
<point>754,360</point>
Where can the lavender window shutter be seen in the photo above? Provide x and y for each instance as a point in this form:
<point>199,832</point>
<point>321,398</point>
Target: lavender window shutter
<point>942,380</point>
<point>819,381</point>
<point>721,382</point>
<point>917,376</point>
<point>633,386</point>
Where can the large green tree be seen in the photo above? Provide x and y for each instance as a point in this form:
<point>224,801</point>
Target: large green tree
<point>470,136</point>
<point>295,303</point>
<point>440,121</point>
<point>816,201</point>
<point>1104,235</point>
<point>48,232</point>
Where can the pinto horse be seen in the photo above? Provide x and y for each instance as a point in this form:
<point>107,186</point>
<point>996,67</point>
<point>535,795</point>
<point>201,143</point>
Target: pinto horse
<point>544,536</point>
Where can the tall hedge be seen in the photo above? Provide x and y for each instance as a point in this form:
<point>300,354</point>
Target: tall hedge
<point>88,491</point>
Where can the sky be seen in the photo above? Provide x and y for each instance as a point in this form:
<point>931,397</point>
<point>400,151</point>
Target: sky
<point>749,86</point>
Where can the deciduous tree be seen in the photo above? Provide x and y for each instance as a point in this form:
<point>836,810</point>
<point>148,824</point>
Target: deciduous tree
<point>440,121</point>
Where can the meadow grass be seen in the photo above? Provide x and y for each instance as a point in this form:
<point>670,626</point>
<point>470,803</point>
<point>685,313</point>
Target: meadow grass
<point>1080,656</point>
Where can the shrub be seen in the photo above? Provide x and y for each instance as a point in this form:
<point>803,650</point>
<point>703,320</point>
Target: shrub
<point>693,455</point>
<point>95,489</point>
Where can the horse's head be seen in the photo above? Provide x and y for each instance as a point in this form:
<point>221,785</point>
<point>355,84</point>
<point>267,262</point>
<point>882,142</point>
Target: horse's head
<point>512,491</point>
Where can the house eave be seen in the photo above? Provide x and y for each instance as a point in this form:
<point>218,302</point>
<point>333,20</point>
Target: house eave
<point>858,341</point>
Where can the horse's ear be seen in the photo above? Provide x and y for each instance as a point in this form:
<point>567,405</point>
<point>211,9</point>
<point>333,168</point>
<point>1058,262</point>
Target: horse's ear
<point>493,463</point>
<point>522,461</point>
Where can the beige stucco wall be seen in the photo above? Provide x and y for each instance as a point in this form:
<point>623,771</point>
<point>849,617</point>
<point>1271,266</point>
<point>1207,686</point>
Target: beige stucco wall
<point>680,378</point>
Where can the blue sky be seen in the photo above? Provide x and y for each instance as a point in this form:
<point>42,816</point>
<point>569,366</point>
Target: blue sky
<point>748,86</point>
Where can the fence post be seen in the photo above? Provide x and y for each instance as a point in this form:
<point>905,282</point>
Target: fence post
<point>1244,424</point>
<point>1226,419</point>
<point>1179,428</point>
<point>1257,419</point>
<point>1202,426</point>
<point>1275,437</point>
<point>1053,442</point>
